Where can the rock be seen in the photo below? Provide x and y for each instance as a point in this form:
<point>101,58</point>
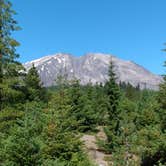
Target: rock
<point>92,68</point>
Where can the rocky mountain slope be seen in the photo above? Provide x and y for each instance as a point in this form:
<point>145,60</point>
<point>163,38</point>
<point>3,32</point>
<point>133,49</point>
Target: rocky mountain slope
<point>92,68</point>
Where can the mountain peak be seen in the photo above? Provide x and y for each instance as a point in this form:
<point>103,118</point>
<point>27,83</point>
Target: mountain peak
<point>93,67</point>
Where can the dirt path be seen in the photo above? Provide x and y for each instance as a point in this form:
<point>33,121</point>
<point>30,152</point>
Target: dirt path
<point>93,151</point>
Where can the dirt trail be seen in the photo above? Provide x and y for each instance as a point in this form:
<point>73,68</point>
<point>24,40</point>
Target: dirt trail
<point>93,151</point>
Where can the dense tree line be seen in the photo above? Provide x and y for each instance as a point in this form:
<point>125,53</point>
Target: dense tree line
<point>40,126</point>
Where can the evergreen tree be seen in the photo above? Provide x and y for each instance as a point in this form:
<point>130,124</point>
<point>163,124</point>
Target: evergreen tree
<point>83,101</point>
<point>113,92</point>
<point>131,92</point>
<point>23,145</point>
<point>59,135</point>
<point>162,101</point>
<point>87,114</point>
<point>32,78</point>
<point>34,89</point>
<point>10,94</point>
<point>9,67</point>
<point>113,130</point>
<point>75,94</point>
<point>162,92</point>
<point>100,104</point>
<point>147,110</point>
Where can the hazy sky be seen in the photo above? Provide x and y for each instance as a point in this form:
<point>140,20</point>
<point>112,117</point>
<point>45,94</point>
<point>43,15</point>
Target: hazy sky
<point>129,29</point>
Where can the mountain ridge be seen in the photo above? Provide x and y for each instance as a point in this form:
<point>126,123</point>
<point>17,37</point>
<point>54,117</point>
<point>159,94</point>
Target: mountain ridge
<point>93,67</point>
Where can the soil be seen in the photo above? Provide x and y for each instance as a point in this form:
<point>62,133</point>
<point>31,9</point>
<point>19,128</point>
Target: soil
<point>93,151</point>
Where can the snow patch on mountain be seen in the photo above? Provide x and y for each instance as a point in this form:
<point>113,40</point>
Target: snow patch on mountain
<point>93,67</point>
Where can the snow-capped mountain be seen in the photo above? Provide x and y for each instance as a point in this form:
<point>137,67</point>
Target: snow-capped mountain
<point>92,67</point>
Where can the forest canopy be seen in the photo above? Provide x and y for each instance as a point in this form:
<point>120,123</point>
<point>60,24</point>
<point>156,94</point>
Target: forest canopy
<point>43,126</point>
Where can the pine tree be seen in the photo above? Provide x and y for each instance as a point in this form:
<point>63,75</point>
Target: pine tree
<point>9,67</point>
<point>162,101</point>
<point>77,104</point>
<point>131,92</point>
<point>34,89</point>
<point>87,115</point>
<point>23,145</point>
<point>162,92</point>
<point>84,106</point>
<point>75,94</point>
<point>32,78</point>
<point>10,94</point>
<point>100,104</point>
<point>113,92</point>
<point>60,140</point>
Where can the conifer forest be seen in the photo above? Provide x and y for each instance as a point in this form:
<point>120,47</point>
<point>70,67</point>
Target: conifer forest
<point>42,126</point>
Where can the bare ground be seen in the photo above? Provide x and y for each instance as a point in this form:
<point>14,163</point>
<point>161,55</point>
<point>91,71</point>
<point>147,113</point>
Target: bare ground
<point>94,153</point>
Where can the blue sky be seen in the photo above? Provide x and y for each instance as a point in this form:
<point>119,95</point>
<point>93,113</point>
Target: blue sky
<point>129,29</point>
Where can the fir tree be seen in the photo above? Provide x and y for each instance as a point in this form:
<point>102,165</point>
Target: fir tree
<point>32,78</point>
<point>34,89</point>
<point>100,102</point>
<point>10,96</point>
<point>59,138</point>
<point>75,94</point>
<point>9,67</point>
<point>83,106</point>
<point>23,145</point>
<point>162,92</point>
<point>162,101</point>
<point>113,92</point>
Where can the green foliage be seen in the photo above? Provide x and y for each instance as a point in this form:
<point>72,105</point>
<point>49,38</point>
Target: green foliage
<point>113,92</point>
<point>132,93</point>
<point>35,132</point>
<point>32,78</point>
<point>48,134</point>
<point>34,89</point>
<point>148,110</point>
<point>23,146</point>
<point>9,67</point>
<point>162,101</point>
<point>7,43</point>
<point>100,104</point>
<point>83,102</point>
<point>11,94</point>
<point>150,145</point>
<point>162,93</point>
<point>59,135</point>
<point>59,140</point>
<point>43,137</point>
<point>8,118</point>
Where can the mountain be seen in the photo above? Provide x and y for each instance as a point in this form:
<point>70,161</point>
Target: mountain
<point>92,67</point>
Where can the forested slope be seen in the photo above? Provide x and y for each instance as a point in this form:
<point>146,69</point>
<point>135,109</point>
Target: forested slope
<point>40,126</point>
